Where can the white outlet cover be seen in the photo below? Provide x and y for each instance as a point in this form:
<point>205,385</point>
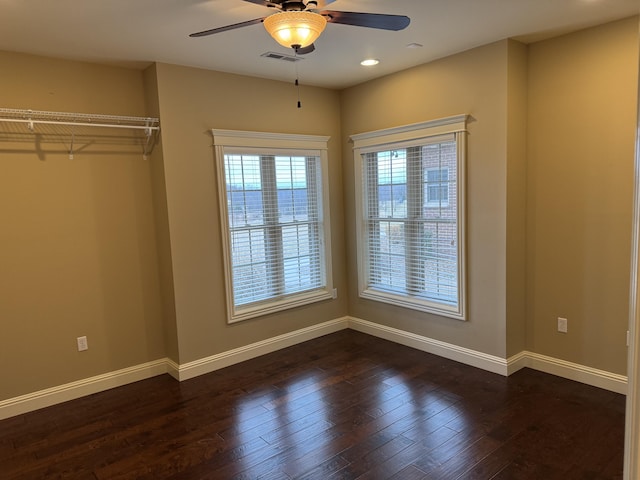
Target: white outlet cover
<point>82,344</point>
<point>562,325</point>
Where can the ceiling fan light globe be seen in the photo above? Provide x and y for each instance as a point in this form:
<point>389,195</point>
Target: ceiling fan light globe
<point>284,36</point>
<point>295,28</point>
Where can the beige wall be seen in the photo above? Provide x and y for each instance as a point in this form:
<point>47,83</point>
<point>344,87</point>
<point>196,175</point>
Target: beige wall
<point>193,101</point>
<point>550,170</point>
<point>517,90</point>
<point>581,127</point>
<point>127,251</point>
<point>161,220</point>
<point>77,241</point>
<point>473,82</point>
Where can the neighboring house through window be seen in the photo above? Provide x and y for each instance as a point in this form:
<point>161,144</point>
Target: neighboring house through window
<point>410,215</point>
<point>437,186</point>
<point>274,211</point>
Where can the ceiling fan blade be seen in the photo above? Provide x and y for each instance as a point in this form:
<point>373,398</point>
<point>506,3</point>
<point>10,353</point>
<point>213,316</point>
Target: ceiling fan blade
<point>204,33</point>
<point>319,3</point>
<point>305,50</point>
<point>371,20</point>
<point>278,3</point>
<point>265,3</point>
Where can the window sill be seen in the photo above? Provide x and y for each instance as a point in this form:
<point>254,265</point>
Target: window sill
<point>413,303</point>
<point>272,306</point>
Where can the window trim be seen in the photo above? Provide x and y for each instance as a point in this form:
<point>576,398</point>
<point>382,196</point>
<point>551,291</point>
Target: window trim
<point>417,134</point>
<point>234,141</point>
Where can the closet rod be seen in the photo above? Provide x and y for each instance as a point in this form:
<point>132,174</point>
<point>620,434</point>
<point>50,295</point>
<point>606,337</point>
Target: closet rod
<point>77,124</point>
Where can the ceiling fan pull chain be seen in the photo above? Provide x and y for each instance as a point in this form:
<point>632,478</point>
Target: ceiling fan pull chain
<point>297,83</point>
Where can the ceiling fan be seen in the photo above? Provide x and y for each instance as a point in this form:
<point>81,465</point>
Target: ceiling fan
<point>297,24</point>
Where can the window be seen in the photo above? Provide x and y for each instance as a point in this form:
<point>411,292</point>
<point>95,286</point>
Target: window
<point>437,186</point>
<point>410,214</point>
<point>275,221</point>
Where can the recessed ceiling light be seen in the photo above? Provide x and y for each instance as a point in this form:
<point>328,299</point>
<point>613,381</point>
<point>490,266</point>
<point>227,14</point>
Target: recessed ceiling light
<point>414,45</point>
<point>369,62</point>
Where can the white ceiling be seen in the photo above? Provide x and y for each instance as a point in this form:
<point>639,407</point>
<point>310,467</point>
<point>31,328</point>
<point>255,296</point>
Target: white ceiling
<point>138,32</point>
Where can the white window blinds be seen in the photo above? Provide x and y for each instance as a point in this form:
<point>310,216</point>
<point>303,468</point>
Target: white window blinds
<point>274,221</point>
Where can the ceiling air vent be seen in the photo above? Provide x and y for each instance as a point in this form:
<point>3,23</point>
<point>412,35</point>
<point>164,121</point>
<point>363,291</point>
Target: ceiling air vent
<point>281,56</point>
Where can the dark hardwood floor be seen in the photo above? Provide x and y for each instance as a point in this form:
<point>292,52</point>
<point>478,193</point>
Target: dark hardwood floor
<point>343,406</point>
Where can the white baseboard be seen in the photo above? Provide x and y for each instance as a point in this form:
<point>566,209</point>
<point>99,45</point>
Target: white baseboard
<point>474,358</point>
<point>517,362</point>
<point>571,371</point>
<point>579,373</point>
<point>237,355</point>
<point>173,369</point>
<point>51,396</point>
<point>70,391</point>
<point>88,386</point>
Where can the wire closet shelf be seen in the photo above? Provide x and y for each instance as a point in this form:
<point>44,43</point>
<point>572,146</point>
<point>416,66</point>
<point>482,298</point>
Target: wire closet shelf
<point>150,126</point>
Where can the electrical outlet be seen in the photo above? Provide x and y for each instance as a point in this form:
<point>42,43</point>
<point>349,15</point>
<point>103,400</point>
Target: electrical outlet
<point>82,344</point>
<point>562,325</point>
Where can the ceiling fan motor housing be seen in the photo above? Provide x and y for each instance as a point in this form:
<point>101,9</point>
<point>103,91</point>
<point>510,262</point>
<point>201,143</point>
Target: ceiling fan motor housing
<point>293,6</point>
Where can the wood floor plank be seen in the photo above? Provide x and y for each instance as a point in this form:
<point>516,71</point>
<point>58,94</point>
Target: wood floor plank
<point>343,406</point>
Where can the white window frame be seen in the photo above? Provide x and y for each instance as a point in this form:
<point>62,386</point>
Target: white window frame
<point>398,138</point>
<point>273,144</point>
